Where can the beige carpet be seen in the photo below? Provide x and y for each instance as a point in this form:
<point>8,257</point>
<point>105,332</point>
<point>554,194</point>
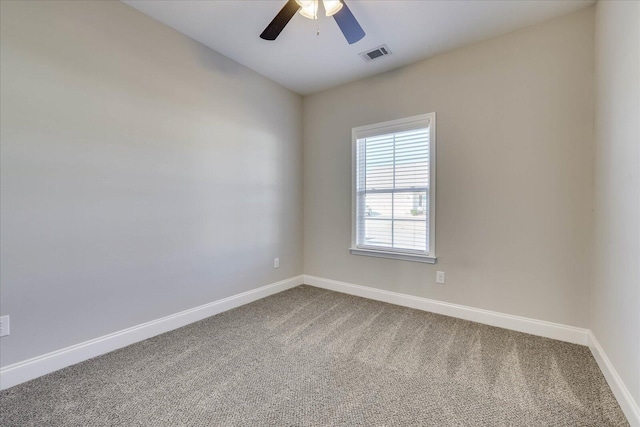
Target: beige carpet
<point>313,357</point>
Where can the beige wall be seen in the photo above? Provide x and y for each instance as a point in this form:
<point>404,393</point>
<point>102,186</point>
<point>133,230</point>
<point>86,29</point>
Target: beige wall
<point>615,293</point>
<point>514,172</point>
<point>142,174</point>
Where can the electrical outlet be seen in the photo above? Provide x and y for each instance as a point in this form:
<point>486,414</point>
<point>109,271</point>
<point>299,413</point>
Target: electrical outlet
<point>440,277</point>
<point>4,326</point>
<point>276,262</point>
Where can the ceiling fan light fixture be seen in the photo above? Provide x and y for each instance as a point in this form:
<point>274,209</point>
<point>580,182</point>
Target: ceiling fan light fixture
<point>341,13</point>
<point>331,7</point>
<point>308,8</point>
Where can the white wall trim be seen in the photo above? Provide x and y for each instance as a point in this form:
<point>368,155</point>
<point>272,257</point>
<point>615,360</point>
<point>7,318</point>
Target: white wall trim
<point>620,391</point>
<point>521,324</point>
<point>517,323</point>
<point>40,365</point>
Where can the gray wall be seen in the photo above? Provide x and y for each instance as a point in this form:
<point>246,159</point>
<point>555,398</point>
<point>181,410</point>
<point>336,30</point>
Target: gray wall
<point>142,174</point>
<point>514,172</point>
<point>615,293</point>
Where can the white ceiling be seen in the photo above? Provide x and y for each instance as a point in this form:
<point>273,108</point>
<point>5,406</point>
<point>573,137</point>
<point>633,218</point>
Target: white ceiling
<point>306,63</point>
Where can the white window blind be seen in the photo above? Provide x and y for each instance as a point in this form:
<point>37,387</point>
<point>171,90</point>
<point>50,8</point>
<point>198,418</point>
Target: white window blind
<point>393,187</point>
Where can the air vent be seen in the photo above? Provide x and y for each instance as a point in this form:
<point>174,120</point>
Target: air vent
<point>375,53</point>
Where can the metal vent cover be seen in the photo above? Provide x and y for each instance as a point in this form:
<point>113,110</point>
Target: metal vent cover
<point>375,53</point>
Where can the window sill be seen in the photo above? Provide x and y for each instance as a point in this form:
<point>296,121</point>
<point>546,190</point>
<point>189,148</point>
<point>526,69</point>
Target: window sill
<point>393,255</point>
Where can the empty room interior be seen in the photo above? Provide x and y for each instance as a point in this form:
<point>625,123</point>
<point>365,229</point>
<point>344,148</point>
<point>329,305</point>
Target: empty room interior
<point>320,213</point>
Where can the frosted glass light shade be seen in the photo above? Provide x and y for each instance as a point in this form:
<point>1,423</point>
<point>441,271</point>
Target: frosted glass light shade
<point>309,8</point>
<point>331,7</point>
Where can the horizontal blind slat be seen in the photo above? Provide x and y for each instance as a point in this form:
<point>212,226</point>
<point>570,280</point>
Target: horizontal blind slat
<point>393,179</point>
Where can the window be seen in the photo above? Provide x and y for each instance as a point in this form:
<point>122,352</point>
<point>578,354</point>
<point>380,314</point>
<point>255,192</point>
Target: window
<point>394,189</point>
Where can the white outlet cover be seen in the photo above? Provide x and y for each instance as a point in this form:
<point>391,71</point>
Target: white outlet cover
<point>440,277</point>
<point>4,326</point>
<point>276,262</point>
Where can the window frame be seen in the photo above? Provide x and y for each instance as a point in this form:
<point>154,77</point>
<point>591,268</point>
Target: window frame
<point>394,126</point>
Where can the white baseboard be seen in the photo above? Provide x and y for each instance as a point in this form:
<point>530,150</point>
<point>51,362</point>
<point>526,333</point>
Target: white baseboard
<point>522,324</point>
<point>620,391</point>
<point>32,368</point>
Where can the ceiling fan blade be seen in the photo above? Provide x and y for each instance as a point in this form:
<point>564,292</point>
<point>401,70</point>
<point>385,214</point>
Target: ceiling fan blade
<point>280,21</point>
<point>348,24</point>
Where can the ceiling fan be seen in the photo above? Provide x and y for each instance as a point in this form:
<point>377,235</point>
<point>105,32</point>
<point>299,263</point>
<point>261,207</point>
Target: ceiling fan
<point>309,9</point>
